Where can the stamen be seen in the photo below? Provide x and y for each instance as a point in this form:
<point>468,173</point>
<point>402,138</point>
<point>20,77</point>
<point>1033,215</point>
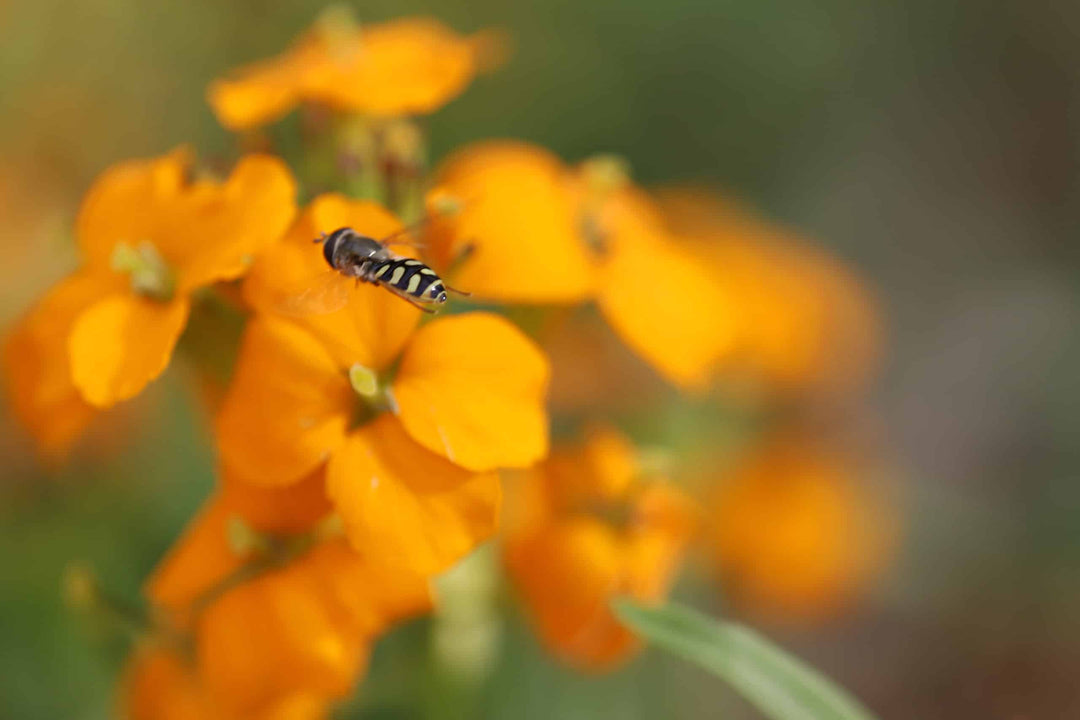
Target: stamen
<point>150,274</point>
<point>445,204</point>
<point>605,174</point>
<point>602,175</point>
<point>365,382</point>
<point>338,28</point>
<point>243,539</point>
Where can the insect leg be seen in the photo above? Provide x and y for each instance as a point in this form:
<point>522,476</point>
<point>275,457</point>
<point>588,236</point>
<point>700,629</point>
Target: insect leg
<point>429,311</point>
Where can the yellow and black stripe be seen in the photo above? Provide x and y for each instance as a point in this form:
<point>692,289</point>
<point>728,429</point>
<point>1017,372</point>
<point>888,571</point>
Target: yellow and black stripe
<point>410,277</point>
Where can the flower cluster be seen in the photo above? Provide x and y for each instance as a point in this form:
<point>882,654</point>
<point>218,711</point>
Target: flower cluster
<point>592,523</point>
<point>363,450</point>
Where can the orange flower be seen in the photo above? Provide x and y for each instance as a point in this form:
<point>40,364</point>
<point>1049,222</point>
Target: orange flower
<point>149,239</point>
<point>414,478</point>
<point>808,323</point>
<point>404,67</point>
<point>794,535</point>
<point>159,685</point>
<point>37,370</point>
<point>589,527</point>
<point>531,230</point>
<point>301,629</point>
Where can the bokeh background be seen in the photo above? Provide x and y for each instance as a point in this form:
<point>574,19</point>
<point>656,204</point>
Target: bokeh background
<point>931,144</point>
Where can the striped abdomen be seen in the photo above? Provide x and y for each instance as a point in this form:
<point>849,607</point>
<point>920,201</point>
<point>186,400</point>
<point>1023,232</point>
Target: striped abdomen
<point>410,278</point>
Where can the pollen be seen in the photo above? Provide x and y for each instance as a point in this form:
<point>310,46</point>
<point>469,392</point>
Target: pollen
<point>364,381</point>
<point>150,275</point>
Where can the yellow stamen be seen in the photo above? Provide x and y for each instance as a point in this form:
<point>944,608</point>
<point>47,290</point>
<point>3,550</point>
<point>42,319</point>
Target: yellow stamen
<point>445,204</point>
<point>365,382</point>
<point>150,274</point>
<point>330,527</point>
<point>605,174</point>
<point>243,539</point>
<point>403,142</point>
<point>337,27</point>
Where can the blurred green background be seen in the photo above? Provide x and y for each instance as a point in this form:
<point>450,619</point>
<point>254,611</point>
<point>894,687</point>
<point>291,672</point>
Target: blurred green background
<point>932,144</point>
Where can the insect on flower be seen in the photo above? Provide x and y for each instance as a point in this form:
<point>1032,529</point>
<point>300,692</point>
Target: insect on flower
<point>359,258</point>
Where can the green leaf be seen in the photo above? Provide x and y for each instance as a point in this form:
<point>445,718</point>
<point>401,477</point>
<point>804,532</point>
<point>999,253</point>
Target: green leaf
<point>776,683</point>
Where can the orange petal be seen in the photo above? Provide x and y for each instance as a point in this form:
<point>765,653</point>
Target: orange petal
<point>471,388</point>
<point>816,326</point>
<point>599,533</point>
<point>203,557</point>
<point>404,67</point>
<point>264,91</point>
<point>374,326</point>
<point>287,408</point>
<point>301,706</point>
<point>567,573</point>
<point>219,228</point>
<point>404,506</point>
<point>794,536</point>
<point>664,523</point>
<point>121,343</point>
<point>158,685</point>
<point>130,202</point>
<point>519,222</point>
<point>272,638</point>
<point>291,509</point>
<point>199,559</point>
<point>611,460</point>
<point>362,594</point>
<point>660,300</point>
<point>808,322</point>
<point>36,368</point>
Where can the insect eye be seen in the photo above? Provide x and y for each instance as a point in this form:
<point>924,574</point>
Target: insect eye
<point>442,297</point>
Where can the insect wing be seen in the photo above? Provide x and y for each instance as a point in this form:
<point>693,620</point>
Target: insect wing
<point>403,237</point>
<point>324,293</point>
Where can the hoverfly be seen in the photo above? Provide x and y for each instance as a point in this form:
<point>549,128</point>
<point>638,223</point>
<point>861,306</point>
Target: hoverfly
<point>354,258</point>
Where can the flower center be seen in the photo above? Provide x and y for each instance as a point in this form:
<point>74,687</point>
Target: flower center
<point>605,174</point>
<point>150,275</point>
<point>602,176</point>
<point>616,514</point>
<point>337,27</point>
<point>444,204</point>
<point>374,393</point>
<point>365,382</point>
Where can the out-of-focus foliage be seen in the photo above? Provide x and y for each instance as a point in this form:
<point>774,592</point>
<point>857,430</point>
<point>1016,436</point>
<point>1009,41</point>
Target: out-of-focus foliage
<point>778,685</point>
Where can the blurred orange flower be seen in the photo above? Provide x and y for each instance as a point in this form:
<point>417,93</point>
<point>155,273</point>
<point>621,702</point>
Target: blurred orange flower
<point>300,629</point>
<point>528,229</point>
<point>807,323</point>
<point>589,525</point>
<point>149,239</point>
<point>403,67</point>
<point>160,684</point>
<point>37,370</point>
<point>410,458</point>
<point>794,534</point>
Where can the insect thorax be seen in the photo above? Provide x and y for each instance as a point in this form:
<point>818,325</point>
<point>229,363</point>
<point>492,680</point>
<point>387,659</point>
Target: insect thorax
<point>346,249</point>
